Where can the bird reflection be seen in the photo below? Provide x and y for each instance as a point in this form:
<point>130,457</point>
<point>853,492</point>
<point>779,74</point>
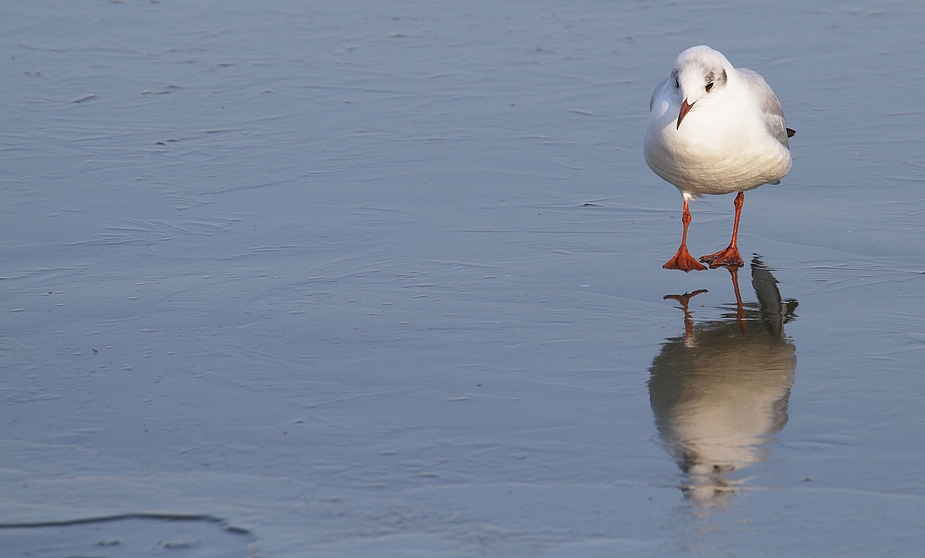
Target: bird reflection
<point>720,392</point>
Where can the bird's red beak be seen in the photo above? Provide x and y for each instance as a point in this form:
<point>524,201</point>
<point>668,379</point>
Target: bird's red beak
<point>684,110</point>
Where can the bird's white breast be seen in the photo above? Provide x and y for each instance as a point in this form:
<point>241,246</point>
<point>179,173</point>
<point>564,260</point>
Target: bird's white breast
<point>722,146</point>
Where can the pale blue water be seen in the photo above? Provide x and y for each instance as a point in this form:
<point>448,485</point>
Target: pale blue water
<point>366,279</point>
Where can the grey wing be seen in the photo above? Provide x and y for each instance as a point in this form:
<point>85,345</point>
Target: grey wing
<point>659,89</point>
<point>770,104</point>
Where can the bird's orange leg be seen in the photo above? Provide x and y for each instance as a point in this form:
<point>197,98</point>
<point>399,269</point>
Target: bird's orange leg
<point>730,255</point>
<point>682,259</point>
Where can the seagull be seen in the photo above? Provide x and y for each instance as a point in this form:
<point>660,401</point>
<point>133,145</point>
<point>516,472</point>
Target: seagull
<point>715,129</point>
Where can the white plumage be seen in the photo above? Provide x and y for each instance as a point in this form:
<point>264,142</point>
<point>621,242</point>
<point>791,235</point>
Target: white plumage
<point>715,129</point>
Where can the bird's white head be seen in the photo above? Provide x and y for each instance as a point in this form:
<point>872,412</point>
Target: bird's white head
<point>699,74</point>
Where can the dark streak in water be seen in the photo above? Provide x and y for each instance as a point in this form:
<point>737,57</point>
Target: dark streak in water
<point>126,516</point>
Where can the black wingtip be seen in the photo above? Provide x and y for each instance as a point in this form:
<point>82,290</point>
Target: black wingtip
<point>791,133</point>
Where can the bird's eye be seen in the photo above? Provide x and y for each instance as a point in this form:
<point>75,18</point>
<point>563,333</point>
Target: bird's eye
<point>676,84</point>
<point>709,86</point>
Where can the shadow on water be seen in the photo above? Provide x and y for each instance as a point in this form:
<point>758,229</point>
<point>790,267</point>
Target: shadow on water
<point>720,391</point>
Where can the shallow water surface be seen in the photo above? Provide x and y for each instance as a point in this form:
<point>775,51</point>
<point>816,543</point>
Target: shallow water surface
<point>367,279</point>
